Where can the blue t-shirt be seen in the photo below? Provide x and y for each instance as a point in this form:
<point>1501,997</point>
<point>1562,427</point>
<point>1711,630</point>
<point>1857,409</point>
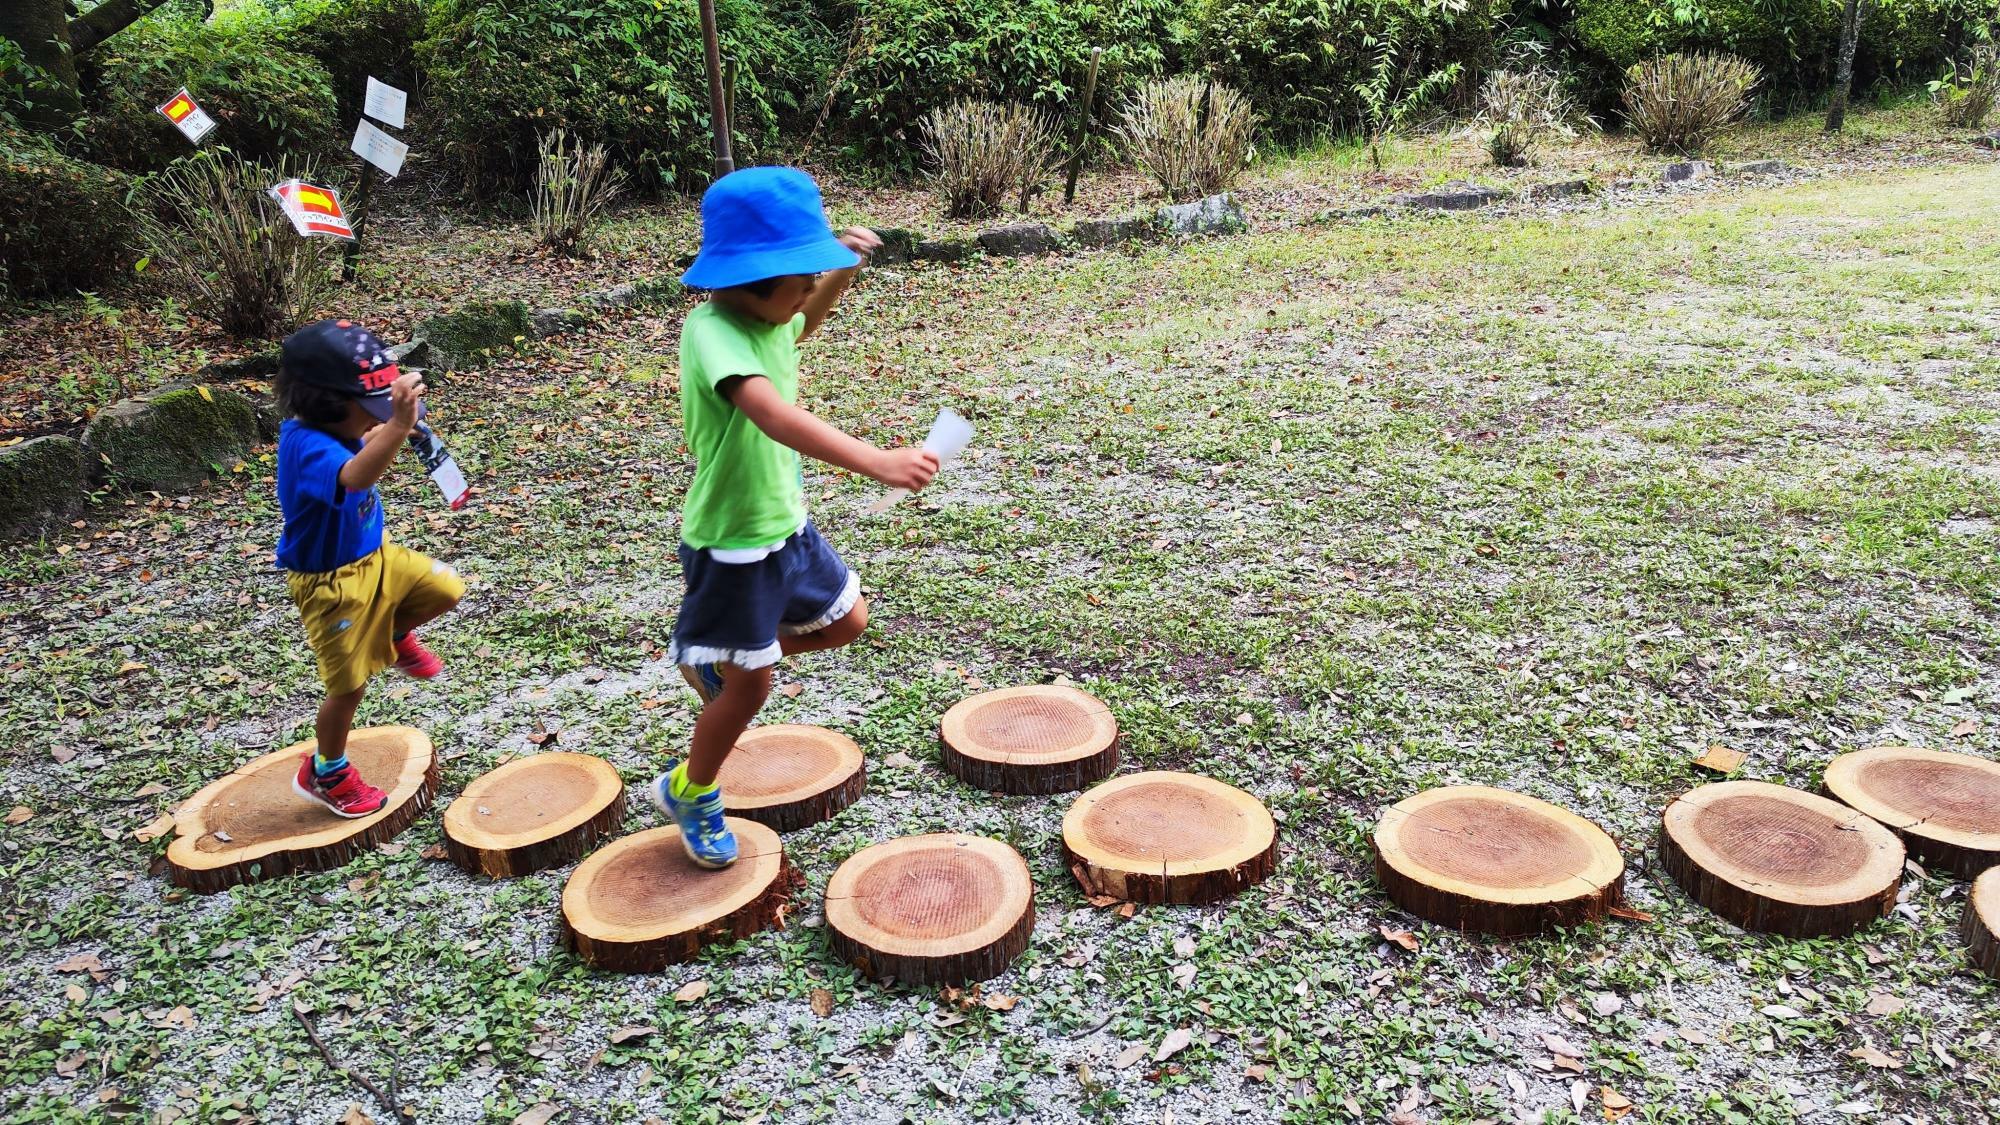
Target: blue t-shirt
<point>326,526</point>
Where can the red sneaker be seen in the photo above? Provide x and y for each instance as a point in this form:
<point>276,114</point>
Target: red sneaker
<point>345,793</point>
<point>413,659</point>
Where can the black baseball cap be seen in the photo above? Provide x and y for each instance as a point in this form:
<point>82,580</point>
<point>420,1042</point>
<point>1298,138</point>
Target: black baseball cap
<point>342,356</point>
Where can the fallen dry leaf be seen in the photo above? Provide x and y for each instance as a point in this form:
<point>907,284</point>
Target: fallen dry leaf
<point>636,1031</point>
<point>81,963</point>
<point>1720,759</point>
<point>19,814</point>
<point>129,667</point>
<point>692,991</point>
<point>1557,1045</point>
<point>791,691</point>
<point>150,789</point>
<point>433,851</point>
<point>822,1002</point>
<point>1612,1099</point>
<point>1964,728</point>
<point>1001,1003</point>
<point>1629,914</point>
<point>1607,1003</point>
<point>1175,1042</point>
<point>1877,1059</point>
<point>1404,938</point>
<point>354,1116</point>
<point>1129,1056</point>
<point>1883,1004</point>
<point>540,1115</point>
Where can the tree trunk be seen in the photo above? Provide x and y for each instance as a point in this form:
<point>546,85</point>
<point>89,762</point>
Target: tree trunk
<point>39,27</point>
<point>104,21</point>
<point>1843,75</point>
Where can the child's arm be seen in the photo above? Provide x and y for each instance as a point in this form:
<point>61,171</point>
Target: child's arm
<point>379,444</point>
<point>819,304</point>
<point>796,427</point>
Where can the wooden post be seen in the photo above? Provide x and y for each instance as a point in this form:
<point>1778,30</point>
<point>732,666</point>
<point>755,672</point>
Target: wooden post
<point>356,216</point>
<point>1083,116</point>
<point>729,100</point>
<point>718,109</point>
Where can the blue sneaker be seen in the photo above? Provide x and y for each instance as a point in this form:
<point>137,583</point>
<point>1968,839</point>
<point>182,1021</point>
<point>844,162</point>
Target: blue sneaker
<point>704,834</point>
<point>705,679</point>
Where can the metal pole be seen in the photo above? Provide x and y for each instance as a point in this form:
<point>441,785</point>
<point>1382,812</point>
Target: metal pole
<point>357,216</point>
<point>718,108</point>
<point>1082,126</point>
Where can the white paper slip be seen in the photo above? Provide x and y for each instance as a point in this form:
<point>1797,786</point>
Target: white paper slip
<point>443,469</point>
<point>949,436</point>
<point>379,148</point>
<point>385,103</point>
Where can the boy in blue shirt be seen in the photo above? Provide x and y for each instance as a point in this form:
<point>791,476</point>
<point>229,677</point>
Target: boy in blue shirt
<point>761,583</point>
<point>358,595</point>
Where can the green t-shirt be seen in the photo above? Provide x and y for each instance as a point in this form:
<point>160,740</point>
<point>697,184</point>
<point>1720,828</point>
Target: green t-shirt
<point>747,489</point>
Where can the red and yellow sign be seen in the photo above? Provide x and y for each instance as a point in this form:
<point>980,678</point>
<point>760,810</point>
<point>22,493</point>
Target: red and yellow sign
<point>313,209</point>
<point>188,117</point>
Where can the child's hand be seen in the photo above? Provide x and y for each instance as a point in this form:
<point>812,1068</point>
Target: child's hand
<point>906,468</point>
<point>403,396</point>
<point>861,240</point>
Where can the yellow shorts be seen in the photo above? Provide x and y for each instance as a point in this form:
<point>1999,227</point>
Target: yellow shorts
<point>350,614</point>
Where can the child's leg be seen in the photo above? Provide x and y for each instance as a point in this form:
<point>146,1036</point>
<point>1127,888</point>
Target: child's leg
<point>330,730</point>
<point>842,632</point>
<point>723,720</point>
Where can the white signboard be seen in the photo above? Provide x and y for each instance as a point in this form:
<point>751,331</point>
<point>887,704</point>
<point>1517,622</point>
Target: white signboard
<point>385,103</point>
<point>188,117</point>
<point>379,148</point>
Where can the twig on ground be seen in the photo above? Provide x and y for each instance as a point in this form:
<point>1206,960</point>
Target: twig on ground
<point>388,1103</point>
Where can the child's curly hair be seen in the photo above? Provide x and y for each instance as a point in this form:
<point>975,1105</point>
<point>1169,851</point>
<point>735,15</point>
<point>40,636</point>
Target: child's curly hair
<point>315,406</point>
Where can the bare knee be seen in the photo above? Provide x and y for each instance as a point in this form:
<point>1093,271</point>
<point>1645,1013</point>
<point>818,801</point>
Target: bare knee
<point>848,629</point>
<point>746,687</point>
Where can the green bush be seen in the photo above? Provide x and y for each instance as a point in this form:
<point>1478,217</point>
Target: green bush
<point>1303,62</point>
<point>267,100</point>
<point>631,76</point>
<point>913,56</point>
<point>354,39</point>
<point>62,221</point>
<point>1792,41</point>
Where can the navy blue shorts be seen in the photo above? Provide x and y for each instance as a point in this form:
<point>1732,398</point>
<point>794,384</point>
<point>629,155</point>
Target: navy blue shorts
<point>733,613</point>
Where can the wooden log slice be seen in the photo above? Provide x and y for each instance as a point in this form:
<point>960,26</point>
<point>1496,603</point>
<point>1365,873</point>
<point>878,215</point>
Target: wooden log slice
<point>1044,738</point>
<point>1982,922</point>
<point>1945,806</point>
<point>1160,837</point>
<point>640,904</point>
<point>932,909</point>
<point>1779,860</point>
<point>533,813</point>
<point>791,777</point>
<point>1495,862</point>
<point>251,825</point>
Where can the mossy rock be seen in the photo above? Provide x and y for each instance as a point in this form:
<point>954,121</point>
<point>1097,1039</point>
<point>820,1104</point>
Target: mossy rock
<point>463,339</point>
<point>173,440</point>
<point>899,244</point>
<point>42,482</point>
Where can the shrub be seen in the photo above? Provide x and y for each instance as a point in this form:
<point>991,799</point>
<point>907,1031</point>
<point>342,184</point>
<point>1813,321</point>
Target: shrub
<point>985,153</point>
<point>631,76</point>
<point>355,39</point>
<point>1305,63</point>
<point>1790,41</point>
<point>1522,107</point>
<point>226,244</point>
<point>267,100</point>
<point>1964,96</point>
<point>574,182</point>
<point>1678,103</point>
<point>911,56</point>
<point>62,221</point>
<point>1191,136</point>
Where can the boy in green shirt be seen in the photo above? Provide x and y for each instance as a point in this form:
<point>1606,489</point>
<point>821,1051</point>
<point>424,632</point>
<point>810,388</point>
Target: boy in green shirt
<point>761,583</point>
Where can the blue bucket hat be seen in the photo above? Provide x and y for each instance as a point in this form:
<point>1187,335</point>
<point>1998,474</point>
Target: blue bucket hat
<point>763,222</point>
